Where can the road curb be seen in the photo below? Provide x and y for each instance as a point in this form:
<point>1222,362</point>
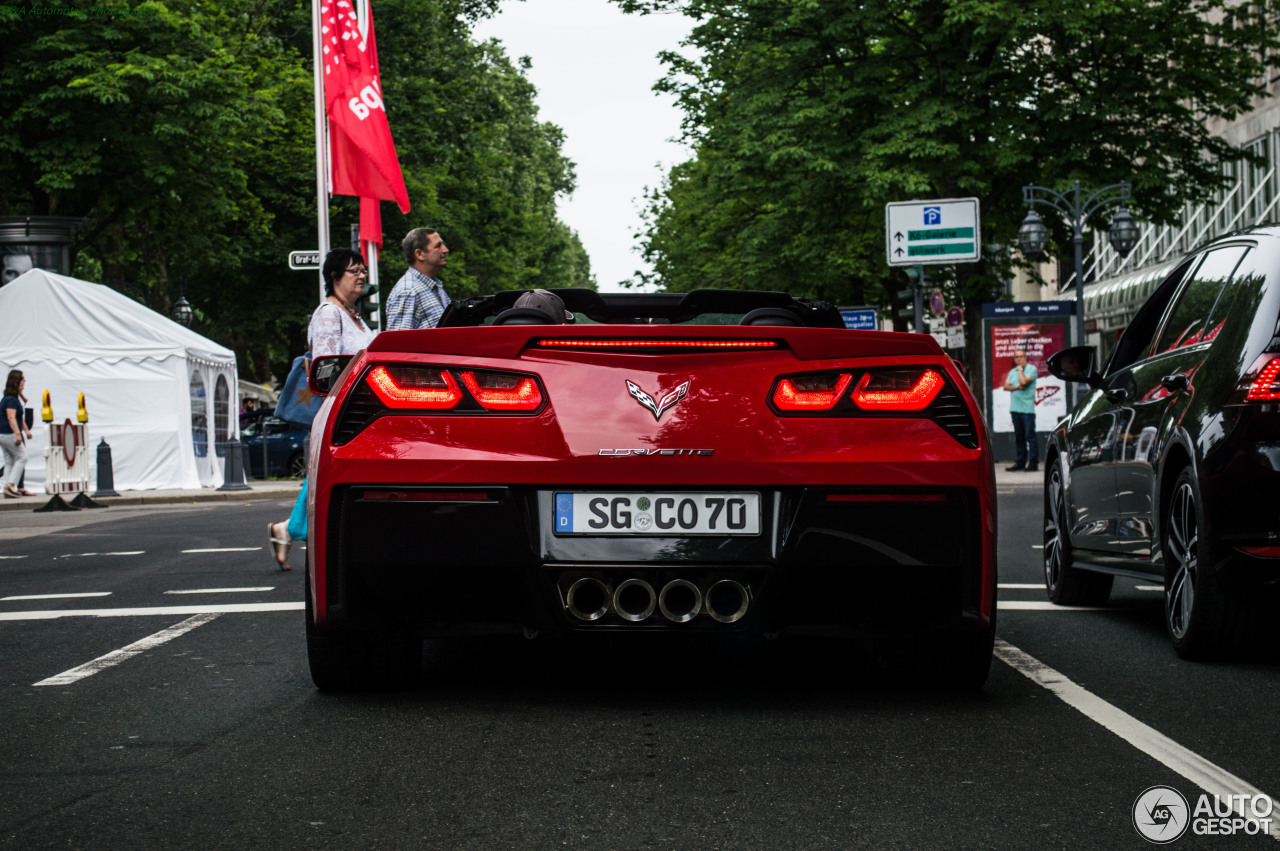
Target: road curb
<point>130,499</point>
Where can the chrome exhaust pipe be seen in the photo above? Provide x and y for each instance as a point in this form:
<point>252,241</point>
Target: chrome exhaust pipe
<point>587,599</point>
<point>680,601</point>
<point>634,600</point>
<point>727,601</point>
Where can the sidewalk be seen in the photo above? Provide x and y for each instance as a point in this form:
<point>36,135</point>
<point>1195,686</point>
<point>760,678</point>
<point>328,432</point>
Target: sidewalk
<point>285,489</point>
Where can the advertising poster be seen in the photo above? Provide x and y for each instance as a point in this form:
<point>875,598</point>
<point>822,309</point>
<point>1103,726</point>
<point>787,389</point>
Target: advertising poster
<point>1040,341</point>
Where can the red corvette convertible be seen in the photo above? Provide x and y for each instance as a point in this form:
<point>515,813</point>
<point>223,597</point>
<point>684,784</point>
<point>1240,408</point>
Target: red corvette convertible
<point>705,463</point>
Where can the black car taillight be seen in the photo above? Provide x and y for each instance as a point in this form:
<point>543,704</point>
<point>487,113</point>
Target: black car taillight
<point>1266,387</point>
<point>919,391</point>
<point>410,389</point>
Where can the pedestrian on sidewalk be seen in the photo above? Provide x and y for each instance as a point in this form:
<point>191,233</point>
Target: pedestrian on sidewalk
<point>1021,386</point>
<point>12,428</point>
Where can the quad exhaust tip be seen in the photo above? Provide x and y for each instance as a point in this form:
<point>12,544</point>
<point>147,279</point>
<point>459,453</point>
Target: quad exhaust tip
<point>680,600</point>
<point>727,601</point>
<point>587,599</point>
<point>634,600</point>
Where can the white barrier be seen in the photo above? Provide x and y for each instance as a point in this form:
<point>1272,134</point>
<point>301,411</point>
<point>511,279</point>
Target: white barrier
<point>66,452</point>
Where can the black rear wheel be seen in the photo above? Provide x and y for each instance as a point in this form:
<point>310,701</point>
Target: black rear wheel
<point>297,466</point>
<point>1204,620</point>
<point>344,659</point>
<point>1066,585</point>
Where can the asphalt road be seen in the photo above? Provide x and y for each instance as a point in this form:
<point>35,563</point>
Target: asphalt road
<point>183,716</point>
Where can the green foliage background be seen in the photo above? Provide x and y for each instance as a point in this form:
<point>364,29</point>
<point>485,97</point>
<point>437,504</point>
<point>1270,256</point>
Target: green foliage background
<point>808,116</point>
<point>183,130</point>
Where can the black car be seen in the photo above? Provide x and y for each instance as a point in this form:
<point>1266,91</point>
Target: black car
<point>284,455</point>
<point>1168,470</point>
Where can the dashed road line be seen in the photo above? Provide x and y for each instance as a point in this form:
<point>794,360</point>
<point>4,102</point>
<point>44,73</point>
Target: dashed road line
<point>115,657</point>
<point>88,555</point>
<point>226,550</point>
<point>57,596</point>
<point>147,611</point>
<point>221,590</point>
<point>1210,777</point>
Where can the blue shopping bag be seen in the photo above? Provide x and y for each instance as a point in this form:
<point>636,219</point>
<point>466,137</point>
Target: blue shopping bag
<point>296,404</point>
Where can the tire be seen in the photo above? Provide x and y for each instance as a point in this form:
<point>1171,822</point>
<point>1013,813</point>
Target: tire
<point>347,659</point>
<point>1066,585</point>
<point>946,663</point>
<point>1204,620</point>
<point>296,467</point>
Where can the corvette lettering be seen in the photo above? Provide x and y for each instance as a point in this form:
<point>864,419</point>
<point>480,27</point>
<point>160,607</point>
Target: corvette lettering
<point>621,452</point>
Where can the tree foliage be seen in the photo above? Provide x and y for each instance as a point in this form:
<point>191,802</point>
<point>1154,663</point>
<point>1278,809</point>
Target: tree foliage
<point>808,116</point>
<point>183,132</point>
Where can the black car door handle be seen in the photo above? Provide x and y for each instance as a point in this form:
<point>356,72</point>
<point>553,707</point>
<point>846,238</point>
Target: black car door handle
<point>1116,395</point>
<point>1174,383</point>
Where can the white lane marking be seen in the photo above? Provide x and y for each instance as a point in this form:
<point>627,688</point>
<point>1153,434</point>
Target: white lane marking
<point>222,590</point>
<point>86,555</point>
<point>1148,588</point>
<point>226,550</point>
<point>153,610</point>
<point>115,657</point>
<point>1022,585</point>
<point>1200,771</point>
<point>58,596</point>
<point>1045,606</point>
<point>1037,546</point>
<point>12,556</point>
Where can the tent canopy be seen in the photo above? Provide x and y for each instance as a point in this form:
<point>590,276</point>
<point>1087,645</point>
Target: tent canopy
<point>161,395</point>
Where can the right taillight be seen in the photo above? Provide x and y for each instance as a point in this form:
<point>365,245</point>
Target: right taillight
<point>1266,387</point>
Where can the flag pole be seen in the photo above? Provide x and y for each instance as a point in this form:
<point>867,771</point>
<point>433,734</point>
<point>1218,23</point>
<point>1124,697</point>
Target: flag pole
<point>322,153</point>
<point>370,247</point>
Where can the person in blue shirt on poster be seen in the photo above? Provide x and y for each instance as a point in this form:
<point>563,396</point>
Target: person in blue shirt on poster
<point>1021,386</point>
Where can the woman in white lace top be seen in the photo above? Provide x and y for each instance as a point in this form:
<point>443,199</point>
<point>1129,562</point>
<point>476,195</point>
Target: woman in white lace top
<point>336,329</point>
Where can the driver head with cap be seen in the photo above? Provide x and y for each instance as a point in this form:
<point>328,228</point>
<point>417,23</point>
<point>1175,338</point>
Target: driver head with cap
<point>548,302</point>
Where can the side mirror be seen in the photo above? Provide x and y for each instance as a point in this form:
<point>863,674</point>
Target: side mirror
<point>1075,364</point>
<point>325,372</point>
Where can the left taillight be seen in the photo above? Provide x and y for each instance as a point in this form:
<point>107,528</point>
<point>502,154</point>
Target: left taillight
<point>432,390</point>
<point>414,388</point>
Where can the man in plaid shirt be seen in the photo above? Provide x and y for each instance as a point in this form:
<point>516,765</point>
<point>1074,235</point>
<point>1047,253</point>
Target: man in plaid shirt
<point>418,299</point>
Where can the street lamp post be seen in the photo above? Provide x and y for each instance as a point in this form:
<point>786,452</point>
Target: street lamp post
<point>1033,236</point>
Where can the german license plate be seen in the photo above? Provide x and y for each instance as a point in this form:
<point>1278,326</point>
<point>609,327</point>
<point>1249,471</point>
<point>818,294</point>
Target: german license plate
<point>657,513</point>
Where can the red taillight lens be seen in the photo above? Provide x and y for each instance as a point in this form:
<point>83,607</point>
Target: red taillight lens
<point>414,387</point>
<point>897,390</point>
<point>1266,387</point>
<point>811,392</point>
<point>500,391</point>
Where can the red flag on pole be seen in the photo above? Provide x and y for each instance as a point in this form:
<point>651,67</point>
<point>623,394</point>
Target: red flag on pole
<point>363,155</point>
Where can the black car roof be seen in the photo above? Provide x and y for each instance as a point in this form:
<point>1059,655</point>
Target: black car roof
<point>629,308</point>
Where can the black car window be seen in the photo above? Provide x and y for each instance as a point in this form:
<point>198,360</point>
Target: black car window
<point>1239,302</point>
<point>1135,342</point>
<point>1186,323</point>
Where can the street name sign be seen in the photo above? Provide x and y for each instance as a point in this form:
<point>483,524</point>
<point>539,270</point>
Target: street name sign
<point>309,260</point>
<point>860,318</point>
<point>931,233</point>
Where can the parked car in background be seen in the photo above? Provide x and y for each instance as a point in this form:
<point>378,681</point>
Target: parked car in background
<point>284,445</point>
<point>1169,468</point>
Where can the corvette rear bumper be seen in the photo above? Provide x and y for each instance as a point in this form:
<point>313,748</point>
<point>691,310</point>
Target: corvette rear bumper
<point>487,559</point>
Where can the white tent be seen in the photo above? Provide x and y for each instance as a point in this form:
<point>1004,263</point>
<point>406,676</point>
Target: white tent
<point>162,396</point>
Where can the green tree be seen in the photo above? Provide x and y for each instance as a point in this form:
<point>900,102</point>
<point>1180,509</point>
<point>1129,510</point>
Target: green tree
<point>183,132</point>
<point>807,117</point>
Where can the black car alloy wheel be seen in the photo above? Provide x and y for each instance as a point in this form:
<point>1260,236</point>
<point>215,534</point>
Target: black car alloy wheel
<point>1182,541</point>
<point>1205,620</point>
